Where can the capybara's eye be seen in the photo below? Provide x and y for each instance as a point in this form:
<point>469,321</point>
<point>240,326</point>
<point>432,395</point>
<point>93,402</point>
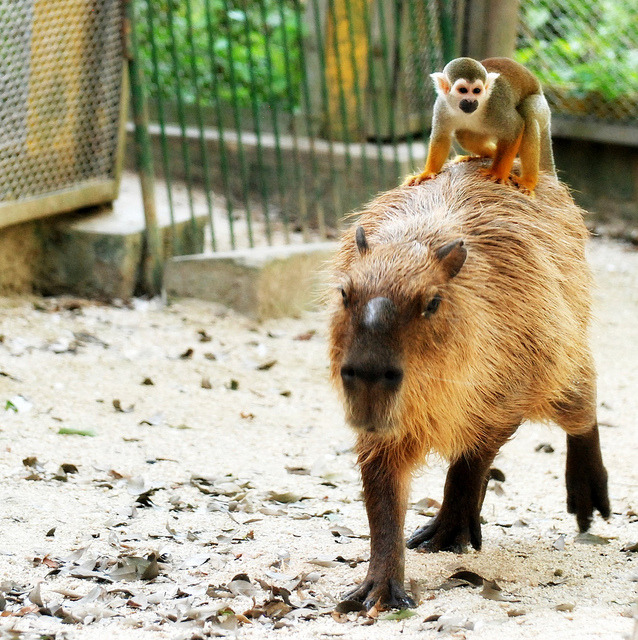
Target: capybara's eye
<point>432,306</point>
<point>344,296</point>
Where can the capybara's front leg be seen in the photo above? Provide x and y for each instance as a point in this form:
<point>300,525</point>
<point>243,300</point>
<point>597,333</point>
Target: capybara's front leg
<point>586,478</point>
<point>385,489</point>
<point>458,522</point>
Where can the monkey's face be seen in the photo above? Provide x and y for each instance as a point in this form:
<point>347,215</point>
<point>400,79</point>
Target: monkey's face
<point>464,95</point>
<point>467,96</point>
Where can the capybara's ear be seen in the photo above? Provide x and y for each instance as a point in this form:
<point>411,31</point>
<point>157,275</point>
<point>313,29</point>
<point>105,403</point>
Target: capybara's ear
<point>452,257</point>
<point>362,243</point>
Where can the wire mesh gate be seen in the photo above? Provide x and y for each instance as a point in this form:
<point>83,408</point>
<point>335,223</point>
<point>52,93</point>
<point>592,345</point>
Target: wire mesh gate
<point>274,117</point>
<point>61,115</point>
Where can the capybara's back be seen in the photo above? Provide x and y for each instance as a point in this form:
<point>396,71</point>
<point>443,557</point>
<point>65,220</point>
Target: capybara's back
<point>462,309</point>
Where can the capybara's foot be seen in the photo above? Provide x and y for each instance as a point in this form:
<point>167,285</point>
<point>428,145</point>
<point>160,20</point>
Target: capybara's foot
<point>386,594</point>
<point>586,491</point>
<point>447,534</point>
<point>418,178</point>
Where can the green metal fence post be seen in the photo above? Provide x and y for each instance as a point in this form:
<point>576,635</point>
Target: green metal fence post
<point>153,261</point>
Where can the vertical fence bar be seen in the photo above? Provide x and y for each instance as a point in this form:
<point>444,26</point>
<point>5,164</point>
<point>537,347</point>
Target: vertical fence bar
<point>372,80</point>
<point>274,112</point>
<point>334,76</point>
<point>336,200</point>
<point>237,121</point>
<point>396,78</point>
<point>355,44</point>
<point>321,222</point>
<point>200,122</point>
<point>150,16</point>
<point>153,264</point>
<point>418,44</point>
<point>181,117</point>
<point>301,195</point>
<point>388,84</point>
<point>254,103</point>
<point>210,35</point>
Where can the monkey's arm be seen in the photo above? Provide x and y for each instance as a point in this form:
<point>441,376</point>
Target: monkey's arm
<point>385,490</point>
<point>438,151</point>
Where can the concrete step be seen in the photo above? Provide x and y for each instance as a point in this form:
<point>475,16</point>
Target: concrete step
<point>263,282</point>
<point>97,253</point>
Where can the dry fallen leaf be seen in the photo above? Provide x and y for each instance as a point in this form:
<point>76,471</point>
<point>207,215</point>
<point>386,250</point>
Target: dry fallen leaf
<point>117,405</point>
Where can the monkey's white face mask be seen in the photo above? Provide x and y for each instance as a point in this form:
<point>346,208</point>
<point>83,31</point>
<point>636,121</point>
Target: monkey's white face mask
<point>463,95</point>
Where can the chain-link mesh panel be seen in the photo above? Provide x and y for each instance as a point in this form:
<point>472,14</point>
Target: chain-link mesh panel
<point>60,88</point>
<point>585,54</point>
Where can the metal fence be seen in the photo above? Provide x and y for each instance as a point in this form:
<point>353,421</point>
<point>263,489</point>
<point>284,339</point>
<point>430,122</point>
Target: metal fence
<point>586,56</point>
<point>285,114</point>
<point>272,118</point>
<point>61,114</point>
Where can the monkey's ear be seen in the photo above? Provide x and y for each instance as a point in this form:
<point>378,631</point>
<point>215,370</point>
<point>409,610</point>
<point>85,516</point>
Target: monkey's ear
<point>452,257</point>
<point>491,76</point>
<point>362,242</point>
<point>441,83</point>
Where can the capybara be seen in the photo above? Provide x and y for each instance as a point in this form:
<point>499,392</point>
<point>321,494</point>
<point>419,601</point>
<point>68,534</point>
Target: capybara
<point>461,309</point>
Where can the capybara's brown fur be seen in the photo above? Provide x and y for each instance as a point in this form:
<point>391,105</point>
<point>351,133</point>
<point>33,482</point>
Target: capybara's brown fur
<point>461,309</point>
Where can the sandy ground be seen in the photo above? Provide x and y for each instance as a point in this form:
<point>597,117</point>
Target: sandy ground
<point>140,527</point>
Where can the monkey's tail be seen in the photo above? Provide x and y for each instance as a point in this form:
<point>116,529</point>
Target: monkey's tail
<point>546,155</point>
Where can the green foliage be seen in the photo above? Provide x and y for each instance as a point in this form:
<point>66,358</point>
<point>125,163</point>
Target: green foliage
<point>237,49</point>
<point>598,62</point>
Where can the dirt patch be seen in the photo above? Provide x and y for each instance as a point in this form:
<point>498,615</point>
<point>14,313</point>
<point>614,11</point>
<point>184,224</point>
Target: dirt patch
<point>183,472</point>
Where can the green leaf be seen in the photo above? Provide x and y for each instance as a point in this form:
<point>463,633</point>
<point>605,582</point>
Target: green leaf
<point>67,431</point>
<point>400,615</point>
<point>10,407</point>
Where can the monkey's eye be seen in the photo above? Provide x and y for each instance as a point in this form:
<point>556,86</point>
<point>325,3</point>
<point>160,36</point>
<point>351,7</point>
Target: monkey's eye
<point>462,89</point>
<point>476,90</point>
<point>432,306</point>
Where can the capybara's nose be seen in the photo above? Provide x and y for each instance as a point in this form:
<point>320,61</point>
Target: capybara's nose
<point>389,377</point>
<point>379,315</point>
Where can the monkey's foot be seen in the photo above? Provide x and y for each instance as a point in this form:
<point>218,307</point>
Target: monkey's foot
<point>447,533</point>
<point>458,159</point>
<point>586,491</point>
<point>494,177</point>
<point>387,593</point>
<point>418,178</point>
<point>524,186</point>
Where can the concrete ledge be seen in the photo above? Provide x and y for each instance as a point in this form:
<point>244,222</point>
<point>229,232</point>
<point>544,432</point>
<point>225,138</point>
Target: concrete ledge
<point>262,283</point>
<point>97,252</point>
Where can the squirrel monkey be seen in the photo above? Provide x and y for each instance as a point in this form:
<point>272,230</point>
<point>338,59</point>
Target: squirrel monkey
<point>495,109</point>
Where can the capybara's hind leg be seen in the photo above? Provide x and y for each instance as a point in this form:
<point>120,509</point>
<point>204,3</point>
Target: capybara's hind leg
<point>586,478</point>
<point>458,522</point>
<point>585,473</point>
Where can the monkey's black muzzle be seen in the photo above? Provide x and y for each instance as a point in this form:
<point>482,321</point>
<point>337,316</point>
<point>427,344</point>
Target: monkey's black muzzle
<point>468,106</point>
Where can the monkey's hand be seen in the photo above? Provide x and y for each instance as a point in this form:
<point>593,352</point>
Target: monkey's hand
<point>418,178</point>
<point>385,594</point>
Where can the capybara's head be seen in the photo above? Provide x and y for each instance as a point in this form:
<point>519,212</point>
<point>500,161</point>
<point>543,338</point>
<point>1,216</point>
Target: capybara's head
<point>393,298</point>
